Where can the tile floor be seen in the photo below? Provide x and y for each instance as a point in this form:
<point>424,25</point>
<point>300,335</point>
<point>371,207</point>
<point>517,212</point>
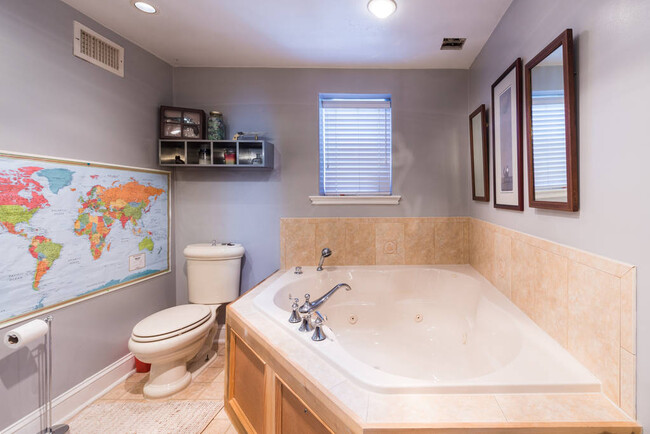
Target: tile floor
<point>209,385</point>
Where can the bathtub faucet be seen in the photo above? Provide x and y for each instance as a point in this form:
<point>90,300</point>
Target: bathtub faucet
<point>308,306</point>
<point>323,254</point>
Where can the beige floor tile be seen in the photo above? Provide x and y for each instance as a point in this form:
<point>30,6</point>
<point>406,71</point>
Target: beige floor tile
<point>190,392</point>
<point>138,377</point>
<point>117,392</point>
<point>221,378</point>
<point>214,391</point>
<point>134,392</point>
<point>208,375</point>
<point>220,361</point>
<point>218,426</point>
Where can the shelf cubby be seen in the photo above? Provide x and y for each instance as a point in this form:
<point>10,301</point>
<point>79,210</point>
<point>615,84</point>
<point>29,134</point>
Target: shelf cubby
<point>222,153</point>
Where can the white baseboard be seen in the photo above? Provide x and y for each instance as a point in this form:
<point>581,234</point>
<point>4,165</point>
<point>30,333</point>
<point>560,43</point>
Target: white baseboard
<point>74,400</point>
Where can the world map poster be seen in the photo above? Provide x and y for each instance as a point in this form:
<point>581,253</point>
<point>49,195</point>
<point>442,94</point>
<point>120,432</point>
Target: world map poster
<point>73,229</point>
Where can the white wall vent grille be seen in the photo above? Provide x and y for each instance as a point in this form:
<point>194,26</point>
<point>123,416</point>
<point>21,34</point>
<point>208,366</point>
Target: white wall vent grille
<point>96,49</point>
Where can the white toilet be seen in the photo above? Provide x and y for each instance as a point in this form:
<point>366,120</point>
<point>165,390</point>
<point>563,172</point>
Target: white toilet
<point>170,338</point>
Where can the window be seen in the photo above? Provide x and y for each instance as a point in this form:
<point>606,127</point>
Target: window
<point>549,137</point>
<point>355,145</point>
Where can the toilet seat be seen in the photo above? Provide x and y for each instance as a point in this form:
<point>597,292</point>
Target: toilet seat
<point>171,322</point>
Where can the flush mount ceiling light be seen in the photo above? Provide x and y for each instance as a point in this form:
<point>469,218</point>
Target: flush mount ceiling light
<point>382,8</point>
<point>145,7</point>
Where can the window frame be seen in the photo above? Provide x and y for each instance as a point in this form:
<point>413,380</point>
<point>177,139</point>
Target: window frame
<point>359,197</point>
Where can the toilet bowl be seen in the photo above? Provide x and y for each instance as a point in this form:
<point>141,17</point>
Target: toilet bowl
<point>170,338</point>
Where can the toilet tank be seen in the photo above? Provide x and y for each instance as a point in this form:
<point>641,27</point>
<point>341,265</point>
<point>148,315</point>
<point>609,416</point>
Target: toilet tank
<point>213,272</point>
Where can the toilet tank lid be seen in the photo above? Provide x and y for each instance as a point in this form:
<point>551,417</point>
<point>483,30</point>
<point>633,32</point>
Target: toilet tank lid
<point>207,251</point>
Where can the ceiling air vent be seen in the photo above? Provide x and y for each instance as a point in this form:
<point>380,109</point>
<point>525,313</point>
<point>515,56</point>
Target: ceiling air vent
<point>96,49</point>
<point>452,43</point>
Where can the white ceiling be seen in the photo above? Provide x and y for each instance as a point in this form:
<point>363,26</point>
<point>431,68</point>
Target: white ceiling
<point>302,33</point>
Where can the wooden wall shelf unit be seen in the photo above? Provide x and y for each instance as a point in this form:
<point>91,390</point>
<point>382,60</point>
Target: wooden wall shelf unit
<point>251,154</point>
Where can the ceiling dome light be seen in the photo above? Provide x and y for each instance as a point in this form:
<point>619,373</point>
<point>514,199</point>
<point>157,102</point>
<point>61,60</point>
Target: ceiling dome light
<point>382,8</point>
<point>145,7</point>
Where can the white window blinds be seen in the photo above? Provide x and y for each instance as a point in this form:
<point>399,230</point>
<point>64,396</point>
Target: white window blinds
<point>549,141</point>
<point>355,146</point>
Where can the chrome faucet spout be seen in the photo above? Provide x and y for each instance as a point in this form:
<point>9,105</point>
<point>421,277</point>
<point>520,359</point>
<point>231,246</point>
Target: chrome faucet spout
<point>313,305</point>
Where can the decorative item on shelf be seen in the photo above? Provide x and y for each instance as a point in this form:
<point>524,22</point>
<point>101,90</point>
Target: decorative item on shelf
<point>257,160</point>
<point>178,160</point>
<point>216,127</point>
<point>181,123</point>
<point>204,155</point>
<point>247,136</point>
<point>229,156</point>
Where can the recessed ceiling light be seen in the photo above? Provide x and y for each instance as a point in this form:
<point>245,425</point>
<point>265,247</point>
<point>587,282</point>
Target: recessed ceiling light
<point>145,7</point>
<point>382,8</point>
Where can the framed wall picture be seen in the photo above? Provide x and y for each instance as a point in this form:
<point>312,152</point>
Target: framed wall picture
<point>478,149</point>
<point>507,139</point>
<point>551,125</point>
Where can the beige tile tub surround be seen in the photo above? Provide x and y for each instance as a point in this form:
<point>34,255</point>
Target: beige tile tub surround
<point>586,302</point>
<point>375,241</point>
<point>346,407</point>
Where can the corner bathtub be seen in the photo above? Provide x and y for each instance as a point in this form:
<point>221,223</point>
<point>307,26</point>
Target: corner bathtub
<point>426,329</point>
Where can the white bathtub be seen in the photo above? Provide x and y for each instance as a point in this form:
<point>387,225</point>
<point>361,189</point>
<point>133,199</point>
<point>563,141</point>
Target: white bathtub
<point>427,329</point>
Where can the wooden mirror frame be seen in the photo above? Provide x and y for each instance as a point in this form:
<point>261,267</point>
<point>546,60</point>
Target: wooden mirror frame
<point>486,165</point>
<point>565,40</point>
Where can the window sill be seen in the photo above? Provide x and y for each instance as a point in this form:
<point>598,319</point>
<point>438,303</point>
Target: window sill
<point>355,200</point>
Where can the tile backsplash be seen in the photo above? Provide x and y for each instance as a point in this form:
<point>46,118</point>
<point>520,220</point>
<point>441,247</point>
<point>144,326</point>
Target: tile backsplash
<point>586,302</point>
<point>375,241</point>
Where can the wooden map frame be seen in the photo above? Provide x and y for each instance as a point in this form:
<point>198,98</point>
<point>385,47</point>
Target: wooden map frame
<point>31,157</point>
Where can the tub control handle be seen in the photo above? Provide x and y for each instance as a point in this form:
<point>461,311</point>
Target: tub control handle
<point>295,316</point>
<point>306,325</point>
<point>319,335</point>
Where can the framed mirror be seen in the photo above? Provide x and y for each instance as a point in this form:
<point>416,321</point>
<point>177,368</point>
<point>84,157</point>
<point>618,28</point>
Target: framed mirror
<point>478,148</point>
<point>551,121</point>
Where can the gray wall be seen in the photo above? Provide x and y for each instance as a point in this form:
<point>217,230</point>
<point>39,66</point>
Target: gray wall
<point>613,66</point>
<point>430,143</point>
<point>55,104</point>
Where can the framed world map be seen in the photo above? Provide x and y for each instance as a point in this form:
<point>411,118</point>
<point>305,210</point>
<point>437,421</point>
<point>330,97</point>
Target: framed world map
<point>72,229</point>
